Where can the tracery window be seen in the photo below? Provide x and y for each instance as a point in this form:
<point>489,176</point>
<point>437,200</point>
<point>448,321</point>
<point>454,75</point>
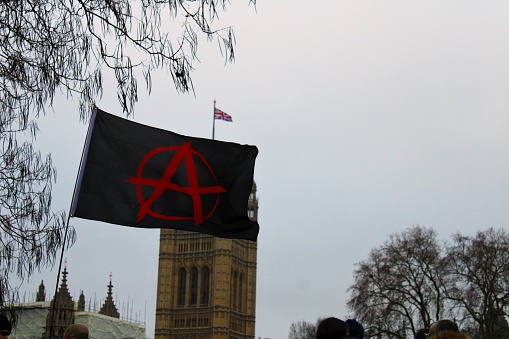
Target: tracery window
<point>241,284</point>
<point>234,290</point>
<point>182,287</point>
<point>205,286</point>
<point>194,286</point>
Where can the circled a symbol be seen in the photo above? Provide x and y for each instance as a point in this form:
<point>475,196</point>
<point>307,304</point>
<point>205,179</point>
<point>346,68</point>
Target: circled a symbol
<point>194,190</point>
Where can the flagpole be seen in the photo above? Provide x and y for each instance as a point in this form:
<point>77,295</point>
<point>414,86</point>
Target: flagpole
<point>214,119</point>
<point>94,112</point>
<point>55,303</point>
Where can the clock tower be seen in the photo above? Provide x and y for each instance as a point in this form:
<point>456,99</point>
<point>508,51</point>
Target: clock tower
<point>206,285</point>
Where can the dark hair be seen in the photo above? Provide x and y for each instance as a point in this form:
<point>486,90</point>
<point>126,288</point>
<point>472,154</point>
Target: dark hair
<point>5,324</point>
<point>355,329</point>
<point>446,325</point>
<point>331,328</point>
<point>422,333</point>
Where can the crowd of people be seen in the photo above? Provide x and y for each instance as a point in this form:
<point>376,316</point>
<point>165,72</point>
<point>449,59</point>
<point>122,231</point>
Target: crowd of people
<point>334,328</point>
<point>329,328</point>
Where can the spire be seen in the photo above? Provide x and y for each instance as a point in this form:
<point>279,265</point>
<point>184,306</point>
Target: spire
<point>63,296</point>
<point>109,307</point>
<point>81,302</point>
<point>62,307</point>
<point>41,293</point>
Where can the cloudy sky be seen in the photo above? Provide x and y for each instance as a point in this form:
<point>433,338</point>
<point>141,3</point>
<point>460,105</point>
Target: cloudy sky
<point>369,116</point>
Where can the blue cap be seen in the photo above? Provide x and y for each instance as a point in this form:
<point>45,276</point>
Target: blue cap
<point>355,329</point>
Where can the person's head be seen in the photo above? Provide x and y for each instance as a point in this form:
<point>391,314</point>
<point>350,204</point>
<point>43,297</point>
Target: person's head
<point>332,328</point>
<point>5,327</point>
<point>422,333</point>
<point>355,329</point>
<point>442,326</point>
<point>76,331</point>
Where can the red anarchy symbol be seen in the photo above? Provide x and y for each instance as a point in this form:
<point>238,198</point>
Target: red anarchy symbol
<point>184,152</point>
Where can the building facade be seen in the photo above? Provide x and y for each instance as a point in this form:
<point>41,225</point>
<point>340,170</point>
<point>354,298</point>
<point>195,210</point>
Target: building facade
<point>206,285</point>
<point>49,319</point>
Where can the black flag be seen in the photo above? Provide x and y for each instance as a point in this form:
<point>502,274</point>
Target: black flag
<point>141,176</point>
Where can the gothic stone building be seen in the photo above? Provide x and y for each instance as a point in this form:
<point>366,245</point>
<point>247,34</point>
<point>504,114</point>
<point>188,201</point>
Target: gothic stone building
<point>206,285</point>
<point>49,319</point>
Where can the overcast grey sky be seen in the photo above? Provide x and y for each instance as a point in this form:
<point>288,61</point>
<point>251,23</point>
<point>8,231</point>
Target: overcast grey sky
<point>369,117</point>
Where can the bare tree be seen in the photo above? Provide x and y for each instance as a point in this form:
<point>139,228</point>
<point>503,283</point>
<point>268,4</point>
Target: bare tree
<point>304,330</point>
<point>30,233</point>
<point>399,288</point>
<point>65,45</point>
<point>413,280</point>
<point>480,266</point>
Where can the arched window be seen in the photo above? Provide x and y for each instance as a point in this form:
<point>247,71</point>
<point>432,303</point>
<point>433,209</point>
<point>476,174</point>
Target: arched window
<point>241,288</point>
<point>194,286</point>
<point>205,286</point>
<point>234,290</point>
<point>182,287</point>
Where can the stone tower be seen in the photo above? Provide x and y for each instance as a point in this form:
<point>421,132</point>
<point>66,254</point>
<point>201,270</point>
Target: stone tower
<point>61,311</point>
<point>206,285</point>
<point>41,293</point>
<point>81,302</point>
<point>109,307</point>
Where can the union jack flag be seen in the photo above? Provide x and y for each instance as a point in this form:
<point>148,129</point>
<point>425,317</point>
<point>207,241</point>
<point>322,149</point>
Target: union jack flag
<point>220,115</point>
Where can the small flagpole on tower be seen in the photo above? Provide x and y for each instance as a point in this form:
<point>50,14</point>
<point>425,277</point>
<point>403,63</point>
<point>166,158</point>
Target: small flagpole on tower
<point>214,119</point>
